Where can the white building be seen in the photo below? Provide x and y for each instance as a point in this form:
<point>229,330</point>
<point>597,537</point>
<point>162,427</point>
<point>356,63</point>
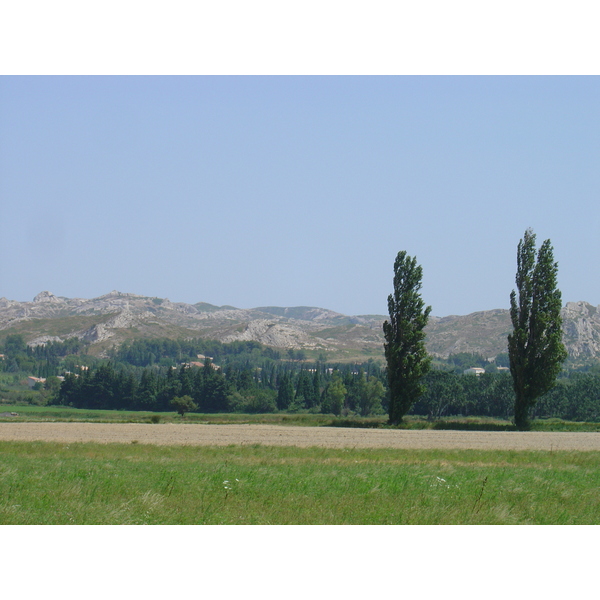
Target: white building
<point>477,371</point>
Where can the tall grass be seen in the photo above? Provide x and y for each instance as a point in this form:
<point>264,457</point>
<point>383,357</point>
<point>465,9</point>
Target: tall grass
<point>68,414</point>
<point>51,483</point>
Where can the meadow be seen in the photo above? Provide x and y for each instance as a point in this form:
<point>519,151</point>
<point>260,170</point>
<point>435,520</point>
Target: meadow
<point>36,413</point>
<point>84,483</point>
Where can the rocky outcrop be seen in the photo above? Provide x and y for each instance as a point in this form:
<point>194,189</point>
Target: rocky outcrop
<point>43,340</point>
<point>277,335</point>
<point>47,297</point>
<point>581,327</point>
<point>484,333</point>
<point>5,303</point>
<point>114,317</point>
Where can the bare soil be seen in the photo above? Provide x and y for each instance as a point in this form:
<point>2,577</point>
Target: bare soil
<point>277,435</point>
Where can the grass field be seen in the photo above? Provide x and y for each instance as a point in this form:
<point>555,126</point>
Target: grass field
<point>35,413</point>
<point>50,483</point>
<point>32,413</point>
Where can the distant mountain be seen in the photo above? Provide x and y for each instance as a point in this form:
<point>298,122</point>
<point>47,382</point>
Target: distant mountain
<point>117,317</point>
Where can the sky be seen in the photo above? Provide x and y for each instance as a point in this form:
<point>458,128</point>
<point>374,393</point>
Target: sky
<point>296,190</point>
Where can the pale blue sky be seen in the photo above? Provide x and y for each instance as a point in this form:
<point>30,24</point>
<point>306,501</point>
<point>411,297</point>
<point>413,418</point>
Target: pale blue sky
<point>288,191</point>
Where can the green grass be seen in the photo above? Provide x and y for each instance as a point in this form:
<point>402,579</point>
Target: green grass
<point>52,483</point>
<point>35,413</point>
<point>57,326</point>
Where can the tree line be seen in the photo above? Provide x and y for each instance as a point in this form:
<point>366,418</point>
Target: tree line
<point>168,352</point>
<point>575,397</point>
<point>344,391</point>
<point>43,360</point>
<point>318,389</point>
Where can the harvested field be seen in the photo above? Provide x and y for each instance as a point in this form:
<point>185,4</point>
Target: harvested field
<point>275,435</point>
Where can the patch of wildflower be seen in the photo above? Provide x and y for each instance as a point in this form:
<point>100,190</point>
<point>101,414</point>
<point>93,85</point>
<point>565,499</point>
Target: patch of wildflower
<point>227,485</point>
<point>440,482</point>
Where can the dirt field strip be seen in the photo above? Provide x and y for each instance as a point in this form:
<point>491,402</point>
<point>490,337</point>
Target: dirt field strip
<point>276,435</point>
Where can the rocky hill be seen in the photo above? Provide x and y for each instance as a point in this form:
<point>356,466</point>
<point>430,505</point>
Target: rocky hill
<point>116,317</point>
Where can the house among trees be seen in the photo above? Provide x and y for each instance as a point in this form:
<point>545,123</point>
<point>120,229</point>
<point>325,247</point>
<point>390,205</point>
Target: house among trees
<point>477,371</point>
<point>200,364</point>
<point>33,381</point>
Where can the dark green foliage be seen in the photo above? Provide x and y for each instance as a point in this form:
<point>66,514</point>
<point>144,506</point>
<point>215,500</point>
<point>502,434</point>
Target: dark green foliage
<point>43,360</point>
<point>52,384</point>
<point>186,387</point>
<point>365,394</point>
<point>334,395</point>
<point>452,394</point>
<point>576,398</point>
<point>443,391</point>
<point>183,404</point>
<point>535,346</point>
<point>14,344</point>
<point>258,402</point>
<point>245,381</point>
<point>305,389</point>
<point>147,391</point>
<point>466,360</point>
<point>211,390</point>
<point>167,352</point>
<point>407,359</point>
<point>285,392</point>
<point>502,360</point>
<point>15,355</point>
<point>460,426</point>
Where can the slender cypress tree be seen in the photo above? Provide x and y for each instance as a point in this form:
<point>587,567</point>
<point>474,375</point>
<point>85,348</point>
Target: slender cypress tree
<point>535,347</point>
<point>407,358</point>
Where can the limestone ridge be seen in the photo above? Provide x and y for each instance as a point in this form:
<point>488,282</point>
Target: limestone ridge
<point>112,318</point>
<point>581,326</point>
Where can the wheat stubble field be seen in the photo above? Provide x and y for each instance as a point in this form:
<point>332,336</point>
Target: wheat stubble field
<point>304,437</point>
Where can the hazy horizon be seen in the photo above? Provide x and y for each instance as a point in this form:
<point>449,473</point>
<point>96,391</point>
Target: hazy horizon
<point>229,304</point>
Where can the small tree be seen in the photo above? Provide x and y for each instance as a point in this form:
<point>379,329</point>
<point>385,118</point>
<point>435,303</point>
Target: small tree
<point>183,404</point>
<point>407,358</point>
<point>535,347</point>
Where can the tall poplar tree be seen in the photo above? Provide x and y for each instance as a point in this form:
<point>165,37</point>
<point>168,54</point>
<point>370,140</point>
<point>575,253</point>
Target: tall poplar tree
<point>535,347</point>
<point>405,353</point>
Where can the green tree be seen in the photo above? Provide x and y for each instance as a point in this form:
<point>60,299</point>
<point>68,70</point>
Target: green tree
<point>15,344</point>
<point>212,390</point>
<point>147,391</point>
<point>52,383</point>
<point>535,346</point>
<point>407,358</point>
<point>183,404</point>
<point>334,395</point>
<point>285,392</point>
<point>370,394</point>
<point>443,392</point>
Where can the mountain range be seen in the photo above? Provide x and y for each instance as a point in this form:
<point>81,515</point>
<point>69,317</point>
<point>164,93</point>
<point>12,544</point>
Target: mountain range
<point>117,317</point>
